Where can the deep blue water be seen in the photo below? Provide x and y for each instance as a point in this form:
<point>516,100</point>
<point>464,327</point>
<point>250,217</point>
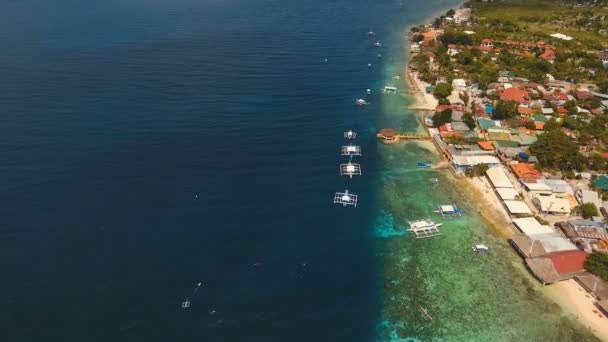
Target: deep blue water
<point>146,146</point>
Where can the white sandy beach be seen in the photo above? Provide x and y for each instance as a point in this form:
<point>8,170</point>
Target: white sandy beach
<point>422,100</point>
<point>577,302</point>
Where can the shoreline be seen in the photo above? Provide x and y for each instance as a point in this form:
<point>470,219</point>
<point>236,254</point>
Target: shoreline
<point>574,301</point>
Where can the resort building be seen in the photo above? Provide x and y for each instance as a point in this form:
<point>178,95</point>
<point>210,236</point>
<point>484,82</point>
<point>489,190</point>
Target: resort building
<point>552,205</point>
<point>461,163</point>
<point>559,266</point>
<point>388,135</point>
<point>526,173</point>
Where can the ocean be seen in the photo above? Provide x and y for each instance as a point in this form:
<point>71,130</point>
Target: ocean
<point>147,146</point>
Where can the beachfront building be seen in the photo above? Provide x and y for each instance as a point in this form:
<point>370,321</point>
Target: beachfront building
<point>587,234</point>
<point>388,135</point>
<point>559,266</point>
<point>552,205</point>
<point>588,196</point>
<point>526,173</point>
<point>461,163</point>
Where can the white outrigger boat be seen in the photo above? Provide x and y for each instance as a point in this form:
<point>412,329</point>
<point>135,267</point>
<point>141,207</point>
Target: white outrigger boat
<point>424,228</point>
<point>345,198</point>
<point>377,44</point>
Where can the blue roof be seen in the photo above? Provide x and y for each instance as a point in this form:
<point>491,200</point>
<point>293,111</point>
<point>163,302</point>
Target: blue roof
<point>489,109</point>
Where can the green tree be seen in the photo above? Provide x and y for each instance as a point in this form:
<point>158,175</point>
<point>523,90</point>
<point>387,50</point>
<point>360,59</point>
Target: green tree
<point>588,210</point>
<point>450,13</point>
<point>505,110</point>
<point>442,90</point>
<point>597,263</point>
<point>570,105</point>
<point>442,117</point>
<point>556,151</point>
<point>468,119</point>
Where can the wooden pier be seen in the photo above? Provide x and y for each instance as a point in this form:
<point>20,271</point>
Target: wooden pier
<point>390,136</point>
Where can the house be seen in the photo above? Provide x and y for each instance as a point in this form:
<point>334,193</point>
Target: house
<point>524,111</point>
<point>547,111</point>
<point>485,124</point>
<point>414,47</point>
<point>588,196</point>
<point>548,55</point>
<point>459,84</point>
<point>388,135</point>
<point>486,145</point>
<point>487,43</point>
<point>555,267</point>
<point>508,154</point>
<point>604,57</point>
<point>539,126</point>
<point>461,163</point>
<point>526,172</point>
<point>601,183</point>
<point>453,49</point>
<point>516,95</point>
<point>431,56</point>
<point>552,205</point>
<point>586,233</point>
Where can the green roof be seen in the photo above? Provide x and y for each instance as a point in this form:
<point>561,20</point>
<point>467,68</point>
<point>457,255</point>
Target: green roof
<point>484,124</point>
<point>539,118</point>
<point>601,183</point>
<point>514,131</point>
<point>525,139</point>
<point>498,144</point>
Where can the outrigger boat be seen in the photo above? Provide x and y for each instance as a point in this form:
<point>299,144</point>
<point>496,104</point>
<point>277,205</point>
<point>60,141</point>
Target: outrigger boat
<point>449,210</point>
<point>424,228</point>
<point>434,180</point>
<point>377,44</point>
<point>423,164</point>
<point>345,198</point>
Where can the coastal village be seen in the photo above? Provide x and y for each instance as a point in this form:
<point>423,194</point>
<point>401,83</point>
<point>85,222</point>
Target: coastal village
<point>524,115</point>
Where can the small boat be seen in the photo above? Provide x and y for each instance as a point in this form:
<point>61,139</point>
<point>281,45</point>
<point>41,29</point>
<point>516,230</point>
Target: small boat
<point>185,304</point>
<point>480,248</point>
<point>424,228</point>
<point>360,102</point>
<point>369,91</point>
<point>425,312</point>
<point>423,165</point>
<point>369,65</point>
<point>371,34</point>
<point>379,55</point>
<point>449,210</point>
<point>396,78</point>
<point>390,90</point>
<point>377,44</point>
<point>434,180</point>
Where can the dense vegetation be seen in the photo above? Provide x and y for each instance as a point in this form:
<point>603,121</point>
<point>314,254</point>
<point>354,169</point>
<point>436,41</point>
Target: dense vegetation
<point>597,263</point>
<point>555,150</point>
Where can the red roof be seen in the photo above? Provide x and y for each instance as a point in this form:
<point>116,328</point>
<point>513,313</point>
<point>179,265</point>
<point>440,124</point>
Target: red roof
<point>452,46</point>
<point>388,132</point>
<point>441,108</point>
<point>526,171</point>
<point>604,155</point>
<point>548,55</point>
<point>515,94</point>
<point>562,110</point>
<point>486,145</point>
<point>583,94</point>
<point>444,128</point>
<point>559,96</point>
<point>430,55</point>
<point>539,125</point>
<point>486,40</point>
<point>524,110</point>
<point>568,261</point>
